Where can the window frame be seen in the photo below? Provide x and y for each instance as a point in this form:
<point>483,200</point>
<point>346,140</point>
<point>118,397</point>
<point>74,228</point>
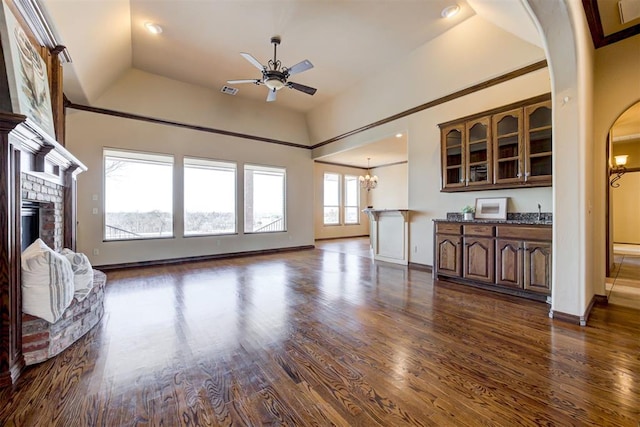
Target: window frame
<point>339,199</point>
<point>140,157</point>
<point>210,164</point>
<point>267,169</point>
<point>356,179</point>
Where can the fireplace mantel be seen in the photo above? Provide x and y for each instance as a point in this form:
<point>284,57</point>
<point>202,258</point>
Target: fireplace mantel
<point>26,149</point>
<point>49,154</point>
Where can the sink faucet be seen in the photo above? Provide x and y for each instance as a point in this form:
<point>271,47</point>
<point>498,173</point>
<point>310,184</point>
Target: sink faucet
<point>539,213</point>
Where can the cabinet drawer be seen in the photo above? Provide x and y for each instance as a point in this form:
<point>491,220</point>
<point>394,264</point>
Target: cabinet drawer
<point>478,230</point>
<point>524,233</point>
<point>447,227</point>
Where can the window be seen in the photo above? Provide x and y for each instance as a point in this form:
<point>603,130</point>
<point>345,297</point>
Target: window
<point>331,199</point>
<point>138,195</point>
<point>264,199</point>
<point>209,197</point>
<point>351,200</point>
<point>341,195</point>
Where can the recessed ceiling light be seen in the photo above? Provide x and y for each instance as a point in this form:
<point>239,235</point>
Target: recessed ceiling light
<point>153,28</point>
<point>450,11</point>
<point>398,135</point>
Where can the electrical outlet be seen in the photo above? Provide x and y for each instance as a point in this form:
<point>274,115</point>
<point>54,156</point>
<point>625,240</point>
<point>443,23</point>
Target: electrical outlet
<point>94,211</point>
<point>96,251</point>
<point>94,197</point>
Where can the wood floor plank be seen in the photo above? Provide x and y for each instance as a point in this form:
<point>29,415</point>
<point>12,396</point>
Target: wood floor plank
<point>326,337</point>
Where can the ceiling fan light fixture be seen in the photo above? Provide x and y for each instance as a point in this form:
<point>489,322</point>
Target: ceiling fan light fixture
<point>450,11</point>
<point>274,83</point>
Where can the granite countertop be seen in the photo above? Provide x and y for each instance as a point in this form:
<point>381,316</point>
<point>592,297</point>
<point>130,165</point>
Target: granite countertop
<point>524,218</point>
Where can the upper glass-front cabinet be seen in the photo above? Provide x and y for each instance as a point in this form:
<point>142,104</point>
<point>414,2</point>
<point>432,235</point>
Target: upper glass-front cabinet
<point>538,142</point>
<point>453,171</point>
<point>504,148</point>
<point>478,152</point>
<point>508,142</point>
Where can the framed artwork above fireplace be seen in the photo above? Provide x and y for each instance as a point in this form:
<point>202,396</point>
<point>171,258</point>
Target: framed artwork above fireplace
<point>26,74</point>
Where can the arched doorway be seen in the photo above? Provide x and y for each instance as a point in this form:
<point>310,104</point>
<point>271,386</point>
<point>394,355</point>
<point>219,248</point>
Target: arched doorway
<point>623,272</point>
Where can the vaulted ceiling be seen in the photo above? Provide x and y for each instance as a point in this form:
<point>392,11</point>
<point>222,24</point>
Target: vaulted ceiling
<point>347,40</point>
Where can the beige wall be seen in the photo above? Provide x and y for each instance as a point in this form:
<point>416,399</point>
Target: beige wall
<point>626,205</point>
<point>88,133</point>
<point>616,88</point>
<point>336,231</point>
<point>632,149</point>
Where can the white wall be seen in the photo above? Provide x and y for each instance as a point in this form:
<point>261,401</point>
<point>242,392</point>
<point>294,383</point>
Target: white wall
<point>148,94</point>
<point>424,197</point>
<point>423,79</point>
<point>393,189</point>
<point>471,52</point>
<point>336,231</point>
<point>88,133</point>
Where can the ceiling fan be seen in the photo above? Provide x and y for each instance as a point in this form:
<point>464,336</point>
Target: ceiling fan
<point>275,76</point>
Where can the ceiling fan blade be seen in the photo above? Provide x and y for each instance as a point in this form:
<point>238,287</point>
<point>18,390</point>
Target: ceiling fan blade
<point>300,67</point>
<point>235,82</point>
<point>302,88</point>
<point>272,95</point>
<point>253,60</point>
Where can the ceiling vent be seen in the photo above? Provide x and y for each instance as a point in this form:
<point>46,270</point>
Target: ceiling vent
<point>229,90</point>
<point>629,10</point>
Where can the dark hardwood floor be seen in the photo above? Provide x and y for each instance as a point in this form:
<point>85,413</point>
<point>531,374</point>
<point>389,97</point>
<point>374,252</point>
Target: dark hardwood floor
<point>326,337</point>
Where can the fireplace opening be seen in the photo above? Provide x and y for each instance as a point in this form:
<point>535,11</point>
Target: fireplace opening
<point>30,214</point>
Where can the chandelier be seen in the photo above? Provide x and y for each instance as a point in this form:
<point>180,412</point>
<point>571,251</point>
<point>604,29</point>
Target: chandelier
<point>369,182</point>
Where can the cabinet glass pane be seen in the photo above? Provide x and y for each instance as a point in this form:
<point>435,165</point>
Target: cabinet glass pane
<point>508,124</point>
<point>541,117</point>
<point>540,165</point>
<point>454,138</point>
<point>478,132</point>
<point>478,152</point>
<point>508,169</point>
<point>454,156</point>
<point>454,175</point>
<point>508,147</point>
<point>540,141</point>
<point>478,173</point>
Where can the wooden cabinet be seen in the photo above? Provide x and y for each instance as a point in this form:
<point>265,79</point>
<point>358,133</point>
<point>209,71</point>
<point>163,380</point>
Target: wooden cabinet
<point>537,267</point>
<point>508,147</point>
<point>448,250</point>
<point>509,263</point>
<point>503,256</point>
<point>523,257</point>
<point>478,254</point>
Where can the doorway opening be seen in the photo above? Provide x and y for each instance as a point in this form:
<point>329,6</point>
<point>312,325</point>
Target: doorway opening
<point>623,225</point>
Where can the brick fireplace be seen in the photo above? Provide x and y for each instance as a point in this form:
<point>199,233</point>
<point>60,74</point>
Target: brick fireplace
<point>43,202</point>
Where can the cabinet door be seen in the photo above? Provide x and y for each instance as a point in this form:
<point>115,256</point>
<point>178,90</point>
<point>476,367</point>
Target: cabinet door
<point>508,148</point>
<point>479,258</point>
<point>538,142</point>
<point>453,156</point>
<point>448,255</point>
<point>478,152</point>
<point>509,263</point>
<point>537,267</point>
